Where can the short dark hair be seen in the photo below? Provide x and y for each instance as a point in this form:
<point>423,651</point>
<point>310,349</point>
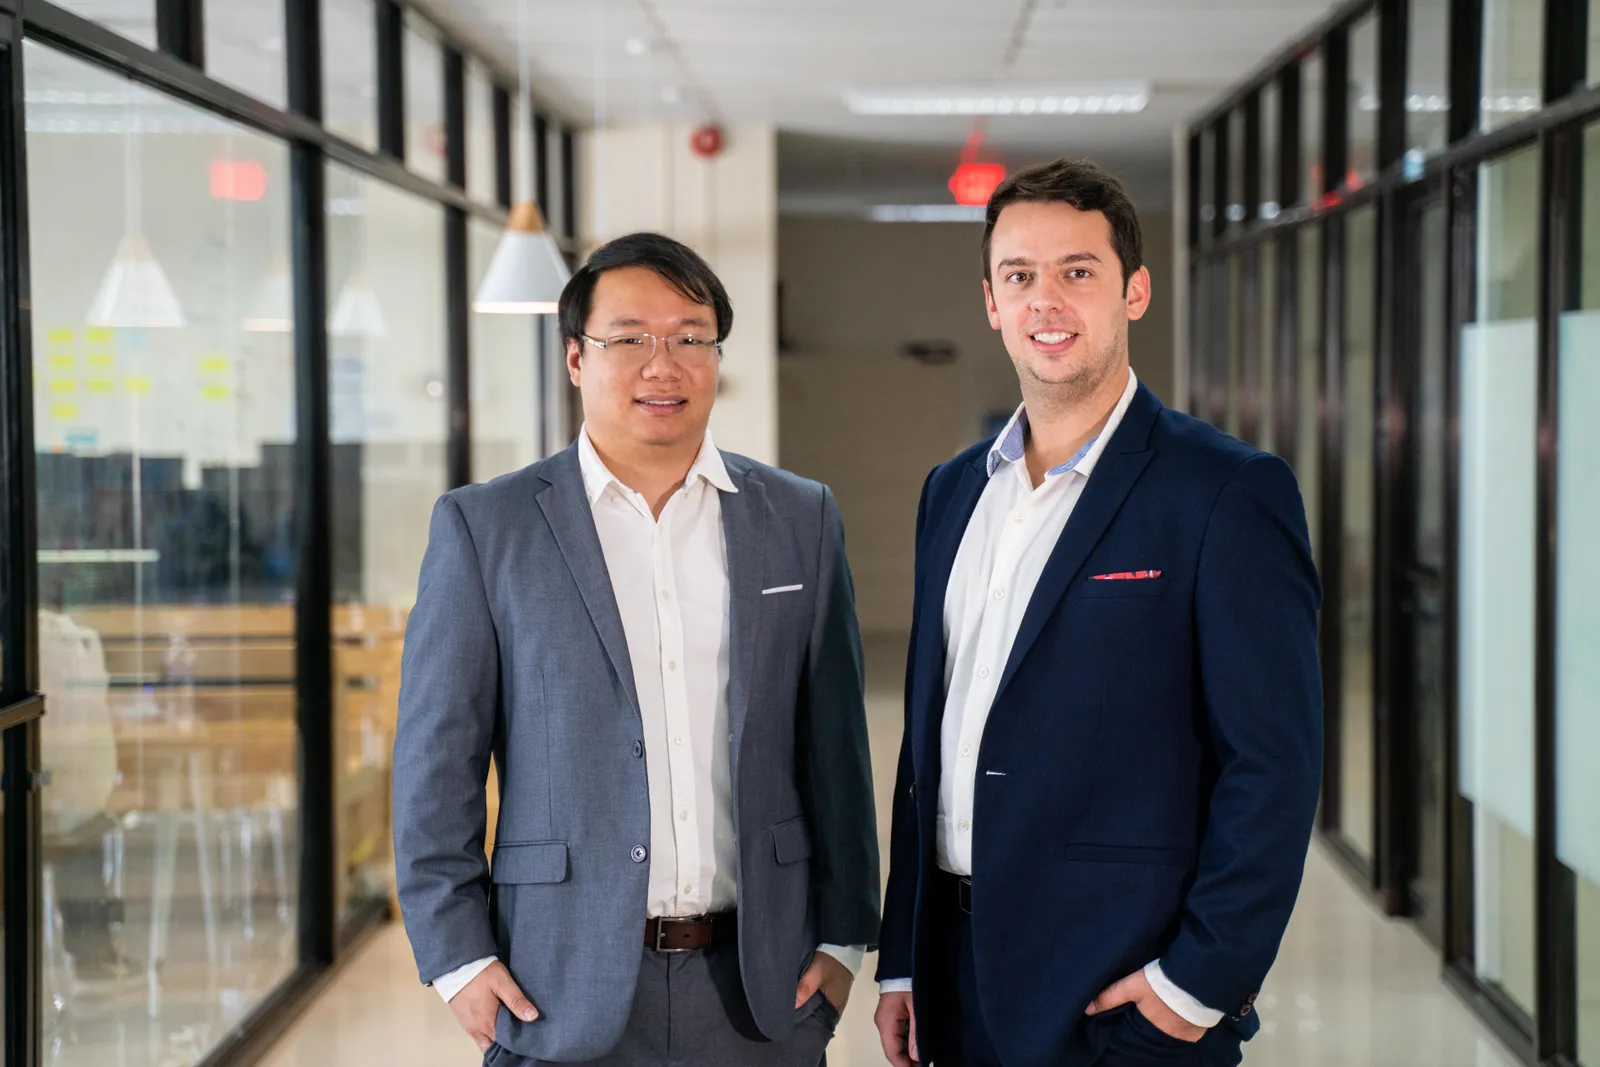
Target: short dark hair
<point>1085,186</point>
<point>672,261</point>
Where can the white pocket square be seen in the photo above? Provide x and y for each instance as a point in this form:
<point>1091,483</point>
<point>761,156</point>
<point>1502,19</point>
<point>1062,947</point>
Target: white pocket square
<point>782,589</point>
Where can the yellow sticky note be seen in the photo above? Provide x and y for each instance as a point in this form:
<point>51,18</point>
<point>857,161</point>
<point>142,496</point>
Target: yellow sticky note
<point>102,362</point>
<point>215,392</point>
<point>137,385</point>
<point>60,337</point>
<point>99,336</point>
<point>101,385</point>
<point>214,364</point>
<point>63,362</point>
<point>64,385</point>
<point>64,412</point>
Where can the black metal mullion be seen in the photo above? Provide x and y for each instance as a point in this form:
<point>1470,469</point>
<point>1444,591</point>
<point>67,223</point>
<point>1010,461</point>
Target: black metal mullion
<point>391,78</point>
<point>1220,149</point>
<point>458,357</point>
<point>1250,344</point>
<point>455,116</point>
<point>303,43</point>
<point>181,30</point>
<point>1393,67</point>
<point>1335,110</point>
<point>1252,159</point>
<point>1285,380</point>
<point>569,184</point>
<point>1289,135</point>
<point>314,578</point>
<point>1566,48</point>
<point>502,147</point>
<point>541,163</point>
<point>1466,67</point>
<point>1330,462</point>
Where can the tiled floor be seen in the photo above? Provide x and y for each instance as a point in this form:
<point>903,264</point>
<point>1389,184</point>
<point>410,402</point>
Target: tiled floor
<point>1350,989</point>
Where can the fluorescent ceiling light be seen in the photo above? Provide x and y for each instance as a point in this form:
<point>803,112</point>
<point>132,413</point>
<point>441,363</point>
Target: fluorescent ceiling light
<point>926,213</point>
<point>1109,99</point>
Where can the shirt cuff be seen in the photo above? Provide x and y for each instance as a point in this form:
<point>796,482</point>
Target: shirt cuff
<point>1190,1009</point>
<point>894,985</point>
<point>450,984</point>
<point>851,956</point>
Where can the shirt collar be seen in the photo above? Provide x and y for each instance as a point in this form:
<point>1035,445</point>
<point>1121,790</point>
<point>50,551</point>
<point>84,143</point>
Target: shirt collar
<point>1009,447</point>
<point>597,478</point>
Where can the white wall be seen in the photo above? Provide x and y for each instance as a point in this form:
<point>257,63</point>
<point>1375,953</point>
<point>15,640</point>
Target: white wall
<point>647,178</point>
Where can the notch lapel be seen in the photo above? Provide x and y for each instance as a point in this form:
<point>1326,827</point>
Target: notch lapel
<point>566,508</point>
<point>744,532</point>
<point>1124,460</point>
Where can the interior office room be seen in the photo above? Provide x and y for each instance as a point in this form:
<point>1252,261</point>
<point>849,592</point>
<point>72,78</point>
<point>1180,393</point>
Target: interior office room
<point>253,259</point>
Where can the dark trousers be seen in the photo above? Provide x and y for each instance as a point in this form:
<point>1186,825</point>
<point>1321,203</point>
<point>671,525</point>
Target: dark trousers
<point>689,1010</point>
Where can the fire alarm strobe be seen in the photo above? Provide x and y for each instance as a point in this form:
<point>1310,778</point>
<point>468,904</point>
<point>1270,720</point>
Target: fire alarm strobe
<point>706,141</point>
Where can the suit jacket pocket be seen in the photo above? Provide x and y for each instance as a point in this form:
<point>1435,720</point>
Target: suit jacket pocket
<point>1160,857</point>
<point>529,862</point>
<point>1123,587</point>
<point>792,841</point>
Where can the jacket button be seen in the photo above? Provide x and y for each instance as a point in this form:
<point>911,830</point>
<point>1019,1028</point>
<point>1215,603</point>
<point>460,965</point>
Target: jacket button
<point>638,749</point>
<point>639,853</point>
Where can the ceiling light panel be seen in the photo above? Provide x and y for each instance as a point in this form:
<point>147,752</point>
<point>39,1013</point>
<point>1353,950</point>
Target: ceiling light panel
<point>1108,99</point>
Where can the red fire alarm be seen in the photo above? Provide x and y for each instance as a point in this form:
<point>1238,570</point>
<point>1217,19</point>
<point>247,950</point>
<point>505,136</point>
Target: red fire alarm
<point>706,141</point>
<point>973,183</point>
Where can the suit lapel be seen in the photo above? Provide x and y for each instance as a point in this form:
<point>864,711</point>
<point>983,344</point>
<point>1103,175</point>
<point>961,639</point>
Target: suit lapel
<point>928,686</point>
<point>566,508</point>
<point>744,531</point>
<point>1125,458</point>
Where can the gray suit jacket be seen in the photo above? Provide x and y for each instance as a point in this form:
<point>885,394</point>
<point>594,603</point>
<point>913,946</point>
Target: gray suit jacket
<point>516,648</point>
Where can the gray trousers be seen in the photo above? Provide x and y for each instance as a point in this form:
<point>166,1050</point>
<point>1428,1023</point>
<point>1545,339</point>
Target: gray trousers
<point>689,1010</point>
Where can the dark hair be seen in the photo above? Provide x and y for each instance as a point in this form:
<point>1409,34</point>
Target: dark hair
<point>1081,184</point>
<point>672,261</point>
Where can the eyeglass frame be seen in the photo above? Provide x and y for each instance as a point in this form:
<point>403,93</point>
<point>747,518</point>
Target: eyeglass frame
<point>655,344</point>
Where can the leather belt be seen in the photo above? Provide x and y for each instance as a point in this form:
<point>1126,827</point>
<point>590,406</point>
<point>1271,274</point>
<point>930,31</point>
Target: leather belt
<point>693,934</point>
<point>958,888</point>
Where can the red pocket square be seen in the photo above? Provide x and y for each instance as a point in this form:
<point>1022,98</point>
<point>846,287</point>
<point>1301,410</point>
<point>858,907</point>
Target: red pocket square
<point>1127,576</point>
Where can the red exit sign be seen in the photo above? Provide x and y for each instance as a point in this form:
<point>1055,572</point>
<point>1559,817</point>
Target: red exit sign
<point>238,179</point>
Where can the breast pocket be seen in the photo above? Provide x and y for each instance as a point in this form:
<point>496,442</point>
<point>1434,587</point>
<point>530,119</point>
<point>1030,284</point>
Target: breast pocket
<point>1118,587</point>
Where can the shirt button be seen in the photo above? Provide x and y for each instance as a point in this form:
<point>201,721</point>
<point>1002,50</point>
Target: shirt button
<point>672,666</point>
<point>688,889</point>
<point>639,853</point>
<point>966,750</point>
<point>983,672</point>
<point>638,749</point>
<point>665,595</point>
<point>678,740</point>
<point>965,826</point>
<point>683,816</point>
<point>1019,517</point>
<point>999,594</point>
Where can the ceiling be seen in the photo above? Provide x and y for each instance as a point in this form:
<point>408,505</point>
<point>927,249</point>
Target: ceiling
<point>788,62</point>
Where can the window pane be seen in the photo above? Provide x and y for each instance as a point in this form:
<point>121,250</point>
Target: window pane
<point>244,47</point>
<point>350,70</point>
<point>1208,183</point>
<point>1578,609</point>
<point>1594,41</point>
<point>1357,426</point>
<point>1234,304</point>
<point>1361,101</point>
<point>1428,87</point>
<point>1236,149</point>
<point>1271,123</point>
<point>480,134</point>
<point>1309,381</point>
<point>386,354</point>
<point>1267,391</point>
<point>133,19</point>
<point>1513,44</point>
<point>1498,473</point>
<point>1311,127</point>
<point>505,376</point>
<point>426,151</point>
<point>167,550</point>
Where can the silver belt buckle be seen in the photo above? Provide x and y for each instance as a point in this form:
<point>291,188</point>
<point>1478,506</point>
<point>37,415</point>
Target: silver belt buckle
<point>661,929</point>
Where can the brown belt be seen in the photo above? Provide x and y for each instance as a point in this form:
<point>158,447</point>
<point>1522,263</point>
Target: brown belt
<point>690,935</point>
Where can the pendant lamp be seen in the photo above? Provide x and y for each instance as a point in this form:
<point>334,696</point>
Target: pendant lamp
<point>135,293</point>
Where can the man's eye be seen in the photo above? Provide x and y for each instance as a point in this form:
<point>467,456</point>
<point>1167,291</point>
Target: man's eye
<point>1017,276</point>
<point>1079,272</point>
<point>693,342</point>
<point>625,342</point>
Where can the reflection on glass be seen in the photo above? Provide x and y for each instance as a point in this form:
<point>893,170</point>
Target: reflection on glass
<point>1308,380</point>
<point>1233,304</point>
<point>480,134</point>
<point>167,548</point>
<point>244,47</point>
<point>1428,80</point>
<point>1267,390</point>
<point>1578,609</point>
<point>133,19</point>
<point>1271,121</point>
<point>1361,101</point>
<point>505,390</point>
<point>350,70</point>
<point>386,356</point>
<point>1498,472</point>
<point>1513,63</point>
<point>1311,127</point>
<point>1356,522</point>
<point>426,150</point>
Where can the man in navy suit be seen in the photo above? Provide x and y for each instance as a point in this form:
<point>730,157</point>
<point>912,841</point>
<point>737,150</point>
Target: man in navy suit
<point>1113,702</point>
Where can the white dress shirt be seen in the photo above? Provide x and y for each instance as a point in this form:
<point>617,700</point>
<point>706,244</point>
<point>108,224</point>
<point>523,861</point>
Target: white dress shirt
<point>1009,539</point>
<point>670,579</point>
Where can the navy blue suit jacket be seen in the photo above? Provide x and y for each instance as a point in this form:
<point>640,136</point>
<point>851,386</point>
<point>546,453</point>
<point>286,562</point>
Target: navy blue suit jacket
<point>1156,743</point>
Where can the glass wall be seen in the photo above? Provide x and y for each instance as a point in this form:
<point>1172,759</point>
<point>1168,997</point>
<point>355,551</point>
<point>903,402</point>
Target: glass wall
<point>480,134</point>
<point>424,66</point>
<point>1236,152</point>
<point>350,70</point>
<point>167,549</point>
<point>387,365</point>
<point>505,388</point>
<point>1427,80</point>
<point>1361,101</point>
<point>1234,309</point>
<point>1578,607</point>
<point>133,19</point>
<point>245,47</point>
<point>1513,50</point>
<point>1266,390</point>
<point>1357,550</point>
<point>1308,377</point>
<point>1311,86</point>
<point>1496,587</point>
<point>1271,128</point>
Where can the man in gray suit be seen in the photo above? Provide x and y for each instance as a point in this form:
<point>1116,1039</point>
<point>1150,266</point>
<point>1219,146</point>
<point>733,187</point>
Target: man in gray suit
<point>657,643</point>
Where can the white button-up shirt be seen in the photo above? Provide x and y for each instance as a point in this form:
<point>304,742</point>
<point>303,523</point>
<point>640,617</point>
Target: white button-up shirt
<point>1009,539</point>
<point>670,580</point>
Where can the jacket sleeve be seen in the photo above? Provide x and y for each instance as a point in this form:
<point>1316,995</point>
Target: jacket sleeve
<point>449,687</point>
<point>1256,602</point>
<point>837,764</point>
<point>900,898</point>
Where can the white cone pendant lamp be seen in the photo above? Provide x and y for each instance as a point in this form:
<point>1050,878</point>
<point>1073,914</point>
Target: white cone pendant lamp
<point>527,273</point>
<point>357,312</point>
<point>135,293</point>
<point>272,310</point>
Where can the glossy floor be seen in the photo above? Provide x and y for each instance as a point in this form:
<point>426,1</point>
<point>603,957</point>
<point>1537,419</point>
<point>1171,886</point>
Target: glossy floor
<point>1350,989</point>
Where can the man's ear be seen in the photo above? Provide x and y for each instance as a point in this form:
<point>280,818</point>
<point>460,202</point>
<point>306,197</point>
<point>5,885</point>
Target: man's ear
<point>989,305</point>
<point>575,361</point>
<point>1138,294</point>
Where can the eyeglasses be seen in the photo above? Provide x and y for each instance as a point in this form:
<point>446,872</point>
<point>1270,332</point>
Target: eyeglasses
<point>689,349</point>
